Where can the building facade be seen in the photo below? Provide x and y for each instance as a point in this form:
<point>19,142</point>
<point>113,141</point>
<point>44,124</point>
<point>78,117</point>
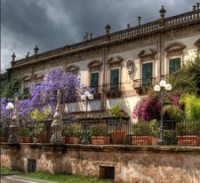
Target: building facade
<point>120,65</point>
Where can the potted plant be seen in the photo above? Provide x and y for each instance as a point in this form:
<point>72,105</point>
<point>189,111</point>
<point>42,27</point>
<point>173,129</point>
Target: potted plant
<point>98,134</point>
<point>72,133</point>
<point>188,133</point>
<point>24,135</point>
<point>40,131</point>
<point>145,133</point>
<point>38,128</point>
<point>118,135</point>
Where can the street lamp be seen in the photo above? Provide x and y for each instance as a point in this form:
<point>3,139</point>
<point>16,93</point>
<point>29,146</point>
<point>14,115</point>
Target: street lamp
<point>10,106</point>
<point>160,88</point>
<point>86,97</point>
<point>13,126</point>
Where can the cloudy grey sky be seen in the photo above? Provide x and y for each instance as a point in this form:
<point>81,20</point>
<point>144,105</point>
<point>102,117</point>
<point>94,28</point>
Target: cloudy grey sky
<point>55,23</point>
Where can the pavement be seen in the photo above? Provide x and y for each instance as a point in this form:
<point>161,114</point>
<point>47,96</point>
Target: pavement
<point>20,179</point>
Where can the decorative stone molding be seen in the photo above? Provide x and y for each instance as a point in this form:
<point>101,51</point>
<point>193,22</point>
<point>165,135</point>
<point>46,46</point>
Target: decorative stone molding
<point>95,65</point>
<point>130,66</point>
<point>197,44</point>
<point>27,77</point>
<point>175,49</point>
<point>146,56</point>
<point>73,69</point>
<point>38,75</point>
<point>115,61</point>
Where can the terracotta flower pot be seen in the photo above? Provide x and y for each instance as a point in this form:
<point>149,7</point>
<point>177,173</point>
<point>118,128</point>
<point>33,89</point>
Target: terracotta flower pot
<point>42,137</point>
<point>192,140</point>
<point>27,139</point>
<point>144,140</point>
<point>71,140</point>
<point>21,139</point>
<point>100,140</point>
<point>118,136</point>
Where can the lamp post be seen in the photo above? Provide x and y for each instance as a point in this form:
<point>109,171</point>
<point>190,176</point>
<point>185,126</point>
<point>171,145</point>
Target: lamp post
<point>86,97</point>
<point>10,107</point>
<point>160,88</point>
<point>13,126</point>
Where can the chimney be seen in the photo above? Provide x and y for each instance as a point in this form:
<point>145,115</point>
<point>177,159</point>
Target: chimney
<point>36,49</point>
<point>139,21</point>
<point>91,35</point>
<point>86,36</point>
<point>128,26</point>
<point>197,6</point>
<point>27,55</point>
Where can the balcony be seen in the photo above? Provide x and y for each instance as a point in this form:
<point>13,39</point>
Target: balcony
<point>113,90</point>
<point>141,86</point>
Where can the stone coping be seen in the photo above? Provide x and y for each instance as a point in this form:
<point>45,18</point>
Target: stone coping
<point>105,148</point>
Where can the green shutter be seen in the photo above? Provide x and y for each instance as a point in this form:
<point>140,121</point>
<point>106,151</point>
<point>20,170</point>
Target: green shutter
<point>114,80</point>
<point>174,65</point>
<point>147,74</point>
<point>94,80</point>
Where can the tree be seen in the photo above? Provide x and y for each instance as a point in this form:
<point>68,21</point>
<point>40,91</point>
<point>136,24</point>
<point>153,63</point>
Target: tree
<point>44,94</point>
<point>187,79</point>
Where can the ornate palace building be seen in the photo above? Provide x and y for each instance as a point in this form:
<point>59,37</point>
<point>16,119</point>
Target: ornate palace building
<point>120,65</point>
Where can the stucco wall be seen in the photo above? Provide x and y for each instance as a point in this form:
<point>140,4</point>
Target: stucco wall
<point>131,164</point>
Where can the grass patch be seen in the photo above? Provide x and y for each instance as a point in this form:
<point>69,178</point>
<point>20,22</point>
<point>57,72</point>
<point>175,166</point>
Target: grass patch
<point>9,171</point>
<point>60,178</point>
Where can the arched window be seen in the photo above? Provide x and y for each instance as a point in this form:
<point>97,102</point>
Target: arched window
<point>94,69</point>
<point>174,57</point>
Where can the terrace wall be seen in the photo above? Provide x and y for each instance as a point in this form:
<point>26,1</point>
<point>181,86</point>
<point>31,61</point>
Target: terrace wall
<point>130,163</point>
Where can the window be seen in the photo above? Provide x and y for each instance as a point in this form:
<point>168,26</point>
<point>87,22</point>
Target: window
<point>31,165</point>
<point>174,65</point>
<point>147,74</point>
<point>107,172</point>
<point>94,80</point>
<point>114,80</point>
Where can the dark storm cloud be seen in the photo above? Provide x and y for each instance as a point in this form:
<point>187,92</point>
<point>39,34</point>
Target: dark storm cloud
<point>54,23</point>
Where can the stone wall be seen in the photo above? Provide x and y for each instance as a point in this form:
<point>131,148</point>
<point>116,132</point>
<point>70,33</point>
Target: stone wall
<point>130,163</point>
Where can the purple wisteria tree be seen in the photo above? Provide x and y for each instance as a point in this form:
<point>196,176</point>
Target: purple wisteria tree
<point>43,95</point>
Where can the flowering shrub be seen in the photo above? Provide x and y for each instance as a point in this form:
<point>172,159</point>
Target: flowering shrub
<point>150,107</point>
<point>146,109</point>
<point>72,130</point>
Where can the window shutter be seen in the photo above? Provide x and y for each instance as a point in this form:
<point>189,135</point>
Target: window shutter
<point>94,80</point>
<point>174,65</point>
<point>147,74</point>
<point>114,80</point>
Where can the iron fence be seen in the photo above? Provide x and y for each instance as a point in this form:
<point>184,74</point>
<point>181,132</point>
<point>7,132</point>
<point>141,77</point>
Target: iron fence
<point>185,133</point>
